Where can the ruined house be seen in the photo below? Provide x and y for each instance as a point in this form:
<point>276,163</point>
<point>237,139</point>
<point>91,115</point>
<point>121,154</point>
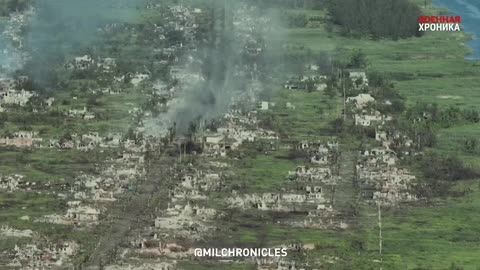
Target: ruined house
<point>81,113</point>
<point>219,144</point>
<point>21,139</point>
<point>361,101</point>
<point>138,78</point>
<point>319,158</point>
<point>368,120</point>
<point>295,84</point>
<point>380,135</point>
<point>187,220</point>
<point>264,105</point>
<point>11,232</point>
<point>15,97</point>
<point>321,86</point>
<point>6,84</point>
<point>107,64</point>
<point>81,63</point>
<point>377,155</point>
<point>356,75</point>
<point>81,214</point>
<point>11,182</point>
<point>51,256</point>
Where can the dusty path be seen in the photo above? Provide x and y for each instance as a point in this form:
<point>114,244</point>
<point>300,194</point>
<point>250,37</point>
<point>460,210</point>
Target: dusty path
<point>132,211</point>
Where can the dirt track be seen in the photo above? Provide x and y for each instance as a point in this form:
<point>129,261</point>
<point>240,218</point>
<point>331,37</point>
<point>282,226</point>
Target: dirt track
<point>134,210</point>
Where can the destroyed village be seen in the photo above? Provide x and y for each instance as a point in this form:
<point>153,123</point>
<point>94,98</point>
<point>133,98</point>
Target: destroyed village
<point>136,133</point>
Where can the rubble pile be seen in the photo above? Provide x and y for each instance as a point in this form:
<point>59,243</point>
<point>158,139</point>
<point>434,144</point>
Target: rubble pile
<point>51,256</point>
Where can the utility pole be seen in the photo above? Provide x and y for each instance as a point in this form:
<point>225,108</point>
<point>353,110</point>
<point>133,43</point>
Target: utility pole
<point>179,145</point>
<point>334,188</point>
<point>344,100</point>
<point>184,149</point>
<point>380,242</point>
<point>342,78</point>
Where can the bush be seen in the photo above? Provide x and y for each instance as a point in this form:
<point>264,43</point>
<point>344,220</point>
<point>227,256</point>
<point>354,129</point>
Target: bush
<point>446,117</point>
<point>296,20</point>
<point>447,168</point>
<point>295,154</point>
<point>440,174</point>
<point>338,125</point>
<point>470,145</point>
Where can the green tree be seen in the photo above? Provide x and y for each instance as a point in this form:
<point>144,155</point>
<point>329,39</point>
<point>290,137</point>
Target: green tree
<point>378,18</point>
<point>358,59</point>
<point>470,145</point>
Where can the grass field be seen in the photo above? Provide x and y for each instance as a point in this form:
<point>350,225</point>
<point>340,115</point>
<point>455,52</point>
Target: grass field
<point>434,237</point>
<point>310,120</point>
<point>264,173</point>
<point>452,141</point>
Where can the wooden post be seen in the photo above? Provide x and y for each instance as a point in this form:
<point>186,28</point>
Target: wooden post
<point>180,151</point>
<point>342,80</point>
<point>380,242</point>
<point>344,100</point>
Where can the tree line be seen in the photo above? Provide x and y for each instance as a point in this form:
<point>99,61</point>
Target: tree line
<point>444,117</point>
<point>378,18</point>
<point>8,6</point>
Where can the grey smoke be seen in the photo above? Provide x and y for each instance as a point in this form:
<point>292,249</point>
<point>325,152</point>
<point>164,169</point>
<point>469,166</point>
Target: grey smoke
<point>61,28</point>
<point>208,99</point>
<point>227,71</point>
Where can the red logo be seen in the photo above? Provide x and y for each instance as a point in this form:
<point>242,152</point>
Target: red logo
<point>440,19</point>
